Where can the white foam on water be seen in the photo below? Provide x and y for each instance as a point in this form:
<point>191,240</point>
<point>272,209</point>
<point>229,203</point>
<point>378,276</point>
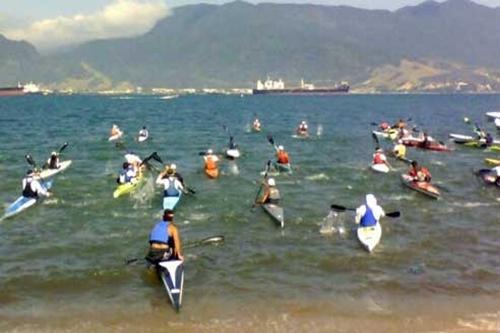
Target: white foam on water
<point>52,201</point>
<point>319,130</point>
<point>319,176</point>
<point>483,322</point>
<point>470,204</point>
<point>435,162</point>
<point>198,216</point>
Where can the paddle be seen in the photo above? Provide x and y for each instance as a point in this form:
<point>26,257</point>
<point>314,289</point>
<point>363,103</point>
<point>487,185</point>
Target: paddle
<point>215,240</point>
<point>268,166</point>
<point>377,142</point>
<point>342,208</point>
<point>63,147</point>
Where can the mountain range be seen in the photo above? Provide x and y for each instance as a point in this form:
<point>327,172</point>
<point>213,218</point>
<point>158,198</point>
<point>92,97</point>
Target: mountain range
<point>448,46</point>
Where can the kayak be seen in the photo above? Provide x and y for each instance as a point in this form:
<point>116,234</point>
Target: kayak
<point>123,189</point>
<point>382,167</point>
<point>171,202</point>
<point>391,134</point>
<point>301,134</point>
<point>493,115</point>
<point>492,161</point>
<point>172,275</point>
<point>22,203</point>
<point>464,139</point>
<point>232,153</point>
<point>482,145</point>
<point>283,167</point>
<point>369,237</point>
<point>212,173</point>
<point>46,173</point>
<point>115,137</point>
<point>497,123</point>
<point>276,212</point>
<point>142,138</point>
<point>256,130</point>
<point>422,187</point>
<point>431,145</point>
<point>488,177</point>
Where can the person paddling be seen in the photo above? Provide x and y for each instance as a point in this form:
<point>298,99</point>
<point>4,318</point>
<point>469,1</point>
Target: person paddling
<point>256,125</point>
<point>144,133</point>
<point>32,187</point>
<point>282,156</point>
<point>172,186</point>
<point>134,160</point>
<point>231,144</point>
<point>369,213</point>
<point>53,161</point>
<point>271,193</point>
<point>211,167</point>
<point>128,174</point>
<point>302,130</point>
<point>164,240</point>
<point>419,173</point>
<point>177,174</point>
<point>115,131</point>
<point>380,158</point>
<point>399,150</point>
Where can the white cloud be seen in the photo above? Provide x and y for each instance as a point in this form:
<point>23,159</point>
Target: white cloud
<point>121,18</point>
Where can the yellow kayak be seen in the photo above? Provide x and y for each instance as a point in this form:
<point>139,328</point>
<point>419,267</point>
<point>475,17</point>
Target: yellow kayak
<point>128,187</point>
<point>492,161</point>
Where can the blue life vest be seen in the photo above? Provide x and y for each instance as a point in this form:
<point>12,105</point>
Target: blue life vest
<point>368,219</point>
<point>171,191</point>
<point>159,234</point>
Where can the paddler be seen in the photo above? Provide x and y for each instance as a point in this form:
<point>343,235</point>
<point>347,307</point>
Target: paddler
<point>303,128</point>
<point>32,187</point>
<point>419,173</point>
<point>380,158</point>
<point>282,156</point>
<point>133,160</point>
<point>144,133</point>
<point>369,214</point>
<point>401,124</point>
<point>115,130</point>
<point>53,161</point>
<point>177,174</point>
<point>172,186</point>
<point>399,149</point>
<point>271,193</point>
<point>128,174</point>
<point>256,125</point>
<point>210,161</point>
<point>231,144</point>
<point>164,240</point>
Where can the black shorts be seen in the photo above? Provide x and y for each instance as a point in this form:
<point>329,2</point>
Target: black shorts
<point>154,256</point>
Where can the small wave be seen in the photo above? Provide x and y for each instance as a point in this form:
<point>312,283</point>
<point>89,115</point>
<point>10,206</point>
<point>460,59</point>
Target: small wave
<point>169,97</point>
<point>319,176</point>
<point>400,197</point>
<point>440,163</point>
<point>53,201</point>
<point>470,204</point>
<point>198,216</point>
<point>484,322</point>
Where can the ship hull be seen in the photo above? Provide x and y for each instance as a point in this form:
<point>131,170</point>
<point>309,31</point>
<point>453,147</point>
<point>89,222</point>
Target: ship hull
<point>12,91</point>
<point>326,91</point>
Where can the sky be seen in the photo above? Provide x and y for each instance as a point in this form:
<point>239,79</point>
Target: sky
<point>49,24</point>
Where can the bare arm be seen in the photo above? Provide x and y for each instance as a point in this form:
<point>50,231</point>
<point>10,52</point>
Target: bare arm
<point>177,242</point>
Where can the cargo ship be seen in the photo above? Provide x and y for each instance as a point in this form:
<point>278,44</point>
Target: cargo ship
<point>29,88</point>
<point>271,87</point>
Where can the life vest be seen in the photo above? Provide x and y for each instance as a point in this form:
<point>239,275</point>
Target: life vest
<point>159,234</point>
<point>28,191</point>
<point>274,195</point>
<point>210,163</point>
<point>171,190</point>
<point>400,150</point>
<point>282,157</point>
<point>53,162</point>
<point>368,219</point>
<point>377,158</point>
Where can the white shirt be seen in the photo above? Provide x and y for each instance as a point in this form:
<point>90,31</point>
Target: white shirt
<point>35,186</point>
<point>133,159</point>
<point>166,182</point>
<point>496,170</point>
<point>143,132</point>
<point>213,157</point>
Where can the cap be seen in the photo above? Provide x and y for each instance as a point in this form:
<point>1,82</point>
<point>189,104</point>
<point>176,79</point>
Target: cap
<point>173,166</point>
<point>271,182</point>
<point>53,153</point>
<point>281,148</point>
<point>210,151</point>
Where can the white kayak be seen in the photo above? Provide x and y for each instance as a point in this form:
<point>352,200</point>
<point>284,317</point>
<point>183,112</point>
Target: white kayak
<point>497,123</point>
<point>115,137</point>
<point>46,173</point>
<point>382,167</point>
<point>171,202</point>
<point>172,274</point>
<point>369,237</point>
<point>233,153</point>
<point>22,203</point>
<point>461,139</point>
<point>493,115</point>
<point>142,138</point>
<point>276,212</point>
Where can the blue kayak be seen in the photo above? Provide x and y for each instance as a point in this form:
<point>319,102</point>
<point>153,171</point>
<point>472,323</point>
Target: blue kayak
<point>171,202</point>
<point>23,203</point>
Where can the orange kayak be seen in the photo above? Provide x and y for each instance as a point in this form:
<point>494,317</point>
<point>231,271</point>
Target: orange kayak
<point>212,173</point>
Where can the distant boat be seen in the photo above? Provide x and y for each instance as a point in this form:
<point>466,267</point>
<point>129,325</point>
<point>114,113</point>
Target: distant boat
<point>29,88</point>
<point>272,87</point>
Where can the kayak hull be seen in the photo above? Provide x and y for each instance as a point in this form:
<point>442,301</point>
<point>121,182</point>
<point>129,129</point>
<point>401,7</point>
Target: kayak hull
<point>488,177</point>
<point>23,203</point>
<point>497,123</point>
<point>283,167</point>
<point>422,187</point>
<point>171,202</point>
<point>389,135</point>
<point>493,115</point>
<point>127,188</point>
<point>172,275</point>
<point>369,237</point>
<point>142,138</point>
<point>232,154</point>
<point>46,173</point>
<point>431,145</point>
<point>382,167</point>
<point>492,161</point>
<point>115,137</point>
<point>276,212</point>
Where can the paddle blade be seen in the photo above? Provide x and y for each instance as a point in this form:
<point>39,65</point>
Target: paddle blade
<point>373,124</point>
<point>338,207</point>
<point>30,160</point>
<point>375,139</point>
<point>63,147</point>
<point>270,139</point>
<point>393,214</point>
<point>156,157</point>
<point>212,240</point>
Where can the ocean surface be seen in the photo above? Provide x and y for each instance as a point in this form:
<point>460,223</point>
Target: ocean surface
<point>63,262</point>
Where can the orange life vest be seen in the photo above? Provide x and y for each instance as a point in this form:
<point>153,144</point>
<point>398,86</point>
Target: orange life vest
<point>282,157</point>
<point>210,163</point>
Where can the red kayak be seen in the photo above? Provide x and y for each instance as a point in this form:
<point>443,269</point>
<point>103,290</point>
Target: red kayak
<point>430,145</point>
<point>422,187</point>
